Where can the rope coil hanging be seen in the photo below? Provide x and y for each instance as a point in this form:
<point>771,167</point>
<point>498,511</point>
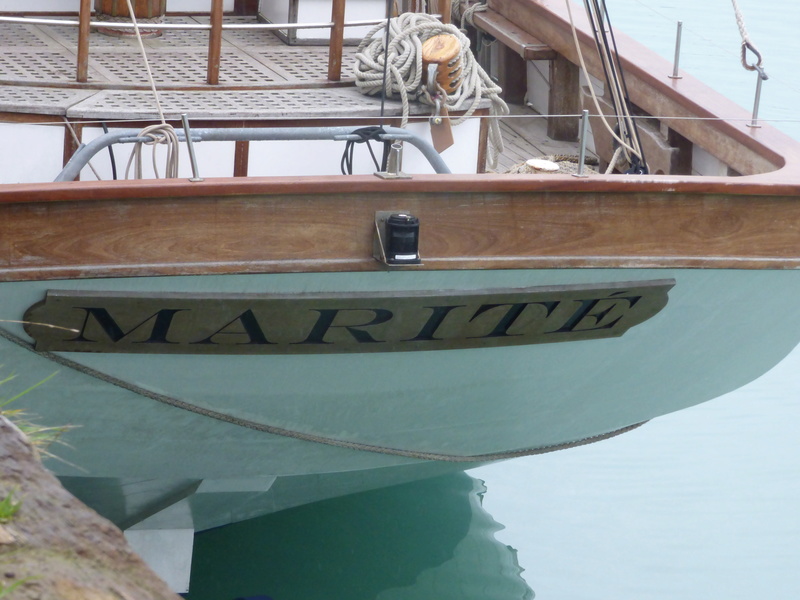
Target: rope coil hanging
<point>162,133</point>
<point>401,59</point>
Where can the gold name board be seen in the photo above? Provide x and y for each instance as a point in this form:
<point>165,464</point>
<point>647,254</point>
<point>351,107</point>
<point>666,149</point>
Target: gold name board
<point>332,323</point>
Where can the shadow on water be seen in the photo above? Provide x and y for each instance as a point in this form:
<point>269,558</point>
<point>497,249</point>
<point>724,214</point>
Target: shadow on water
<point>424,539</point>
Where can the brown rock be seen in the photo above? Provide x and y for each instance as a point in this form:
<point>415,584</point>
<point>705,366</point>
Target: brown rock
<point>61,549</point>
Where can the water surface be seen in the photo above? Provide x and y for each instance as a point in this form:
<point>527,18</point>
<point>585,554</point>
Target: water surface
<point>702,503</point>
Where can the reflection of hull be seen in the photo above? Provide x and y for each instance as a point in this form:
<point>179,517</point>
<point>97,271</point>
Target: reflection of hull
<point>428,539</point>
<point>236,422</point>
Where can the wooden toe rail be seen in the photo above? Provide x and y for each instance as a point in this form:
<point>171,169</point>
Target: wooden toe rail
<point>521,42</point>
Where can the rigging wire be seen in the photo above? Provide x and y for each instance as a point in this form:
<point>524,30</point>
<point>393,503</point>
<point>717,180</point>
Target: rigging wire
<point>586,75</point>
<point>633,131</point>
<point>597,13</point>
<point>629,142</point>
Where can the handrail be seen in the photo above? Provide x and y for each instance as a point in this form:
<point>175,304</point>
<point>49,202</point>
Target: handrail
<point>129,136</point>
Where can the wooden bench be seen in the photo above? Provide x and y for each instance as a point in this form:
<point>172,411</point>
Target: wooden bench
<point>511,36</point>
<point>520,46</point>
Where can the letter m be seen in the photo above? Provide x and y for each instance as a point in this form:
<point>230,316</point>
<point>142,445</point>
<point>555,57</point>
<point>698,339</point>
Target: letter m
<point>159,323</point>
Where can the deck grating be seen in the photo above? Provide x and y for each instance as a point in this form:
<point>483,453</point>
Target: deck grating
<point>34,56</point>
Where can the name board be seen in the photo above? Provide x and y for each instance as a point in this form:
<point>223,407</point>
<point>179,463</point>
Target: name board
<point>333,323</point>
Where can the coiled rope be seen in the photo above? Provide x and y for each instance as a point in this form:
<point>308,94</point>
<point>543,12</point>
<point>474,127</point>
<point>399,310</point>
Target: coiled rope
<point>162,133</point>
<point>391,60</point>
<point>462,11</point>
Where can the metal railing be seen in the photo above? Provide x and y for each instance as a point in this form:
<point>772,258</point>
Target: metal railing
<point>85,153</point>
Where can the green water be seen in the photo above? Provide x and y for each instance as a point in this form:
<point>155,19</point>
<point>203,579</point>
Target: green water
<point>427,539</point>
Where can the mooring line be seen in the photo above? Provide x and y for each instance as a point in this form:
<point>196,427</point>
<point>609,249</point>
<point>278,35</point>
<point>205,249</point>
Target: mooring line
<point>299,435</point>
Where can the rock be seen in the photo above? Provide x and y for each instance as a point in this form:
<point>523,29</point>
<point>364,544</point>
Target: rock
<point>56,546</point>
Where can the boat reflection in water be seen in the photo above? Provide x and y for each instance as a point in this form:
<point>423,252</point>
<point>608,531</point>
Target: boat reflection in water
<point>426,539</point>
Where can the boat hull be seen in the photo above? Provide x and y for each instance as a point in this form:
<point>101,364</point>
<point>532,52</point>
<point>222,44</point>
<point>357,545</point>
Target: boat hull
<point>182,417</point>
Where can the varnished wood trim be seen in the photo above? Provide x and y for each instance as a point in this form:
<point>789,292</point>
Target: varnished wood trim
<point>83,41</point>
<point>483,140</point>
<point>335,47</point>
<point>321,83</point>
<point>214,43</point>
<point>513,37</point>
<point>13,117</point>
<point>247,231</point>
<point>445,10</point>
<point>564,99</point>
<point>667,186</point>
<point>241,158</point>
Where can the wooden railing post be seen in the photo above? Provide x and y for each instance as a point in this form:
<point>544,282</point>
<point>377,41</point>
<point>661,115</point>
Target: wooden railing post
<point>337,41</point>
<point>84,18</point>
<point>445,9</point>
<point>215,42</point>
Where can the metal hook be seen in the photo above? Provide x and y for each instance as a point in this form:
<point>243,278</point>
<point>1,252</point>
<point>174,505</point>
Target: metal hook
<point>436,119</point>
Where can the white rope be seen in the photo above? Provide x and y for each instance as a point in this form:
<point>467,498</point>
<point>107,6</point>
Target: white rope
<point>161,133</point>
<point>403,60</point>
<point>146,61</point>
<point>463,11</point>
<point>746,43</point>
<point>158,134</point>
<point>612,164</point>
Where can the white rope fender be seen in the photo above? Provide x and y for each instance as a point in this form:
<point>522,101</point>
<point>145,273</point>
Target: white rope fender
<point>403,58</point>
